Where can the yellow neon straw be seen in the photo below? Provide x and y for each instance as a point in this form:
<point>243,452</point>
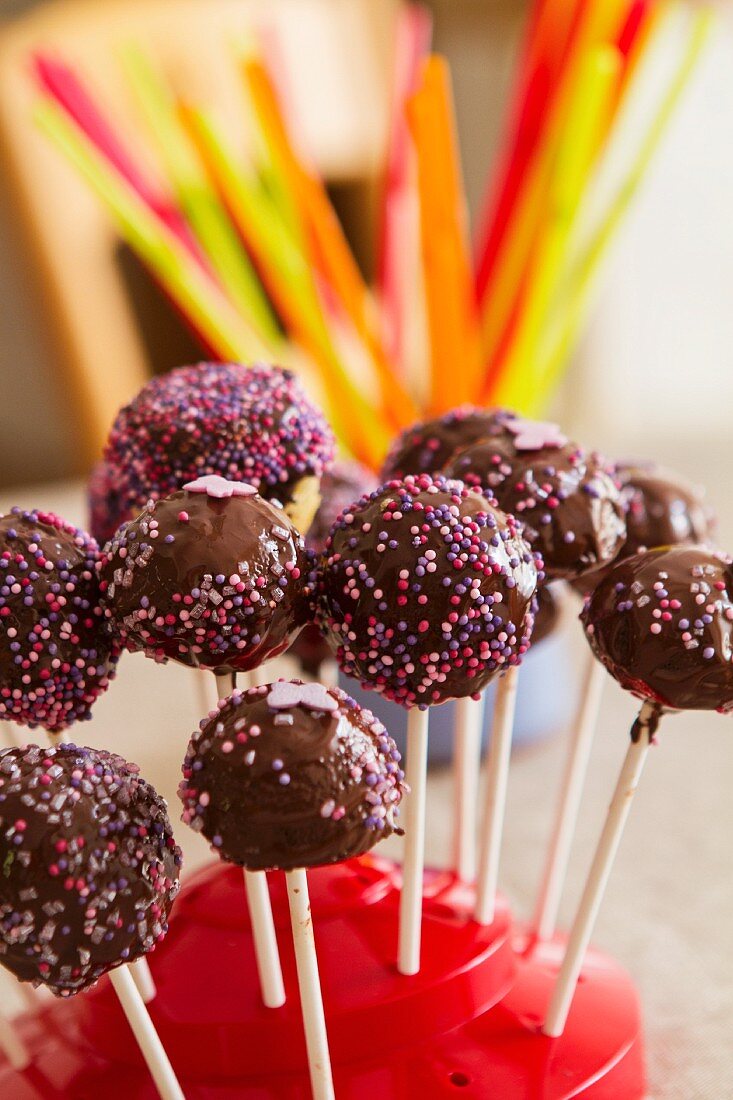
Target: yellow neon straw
<point>223,330</point>
<point>275,150</point>
<point>198,200</point>
<point>601,23</point>
<point>582,279</point>
<point>288,278</point>
<point>586,120</point>
<point>323,239</point>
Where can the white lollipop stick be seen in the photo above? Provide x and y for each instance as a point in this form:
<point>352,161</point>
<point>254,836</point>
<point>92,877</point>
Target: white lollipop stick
<point>12,1045</point>
<point>225,684</point>
<point>147,1037</point>
<point>467,769</point>
<point>201,689</point>
<point>595,885</point>
<point>267,956</point>
<point>408,955</point>
<point>143,979</point>
<point>558,856</point>
<point>309,984</point>
<point>497,777</point>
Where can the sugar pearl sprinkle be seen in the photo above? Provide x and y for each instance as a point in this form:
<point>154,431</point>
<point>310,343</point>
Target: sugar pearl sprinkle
<point>661,621</point>
<point>57,654</point>
<point>252,424</point>
<point>291,775</point>
<point>212,576</point>
<point>89,865</point>
<point>425,591</point>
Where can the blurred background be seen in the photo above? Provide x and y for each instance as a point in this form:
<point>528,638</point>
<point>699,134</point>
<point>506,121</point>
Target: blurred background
<point>83,324</point>
<point>659,335</point>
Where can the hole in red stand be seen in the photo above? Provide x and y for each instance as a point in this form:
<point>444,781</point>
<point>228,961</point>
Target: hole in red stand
<point>460,1080</point>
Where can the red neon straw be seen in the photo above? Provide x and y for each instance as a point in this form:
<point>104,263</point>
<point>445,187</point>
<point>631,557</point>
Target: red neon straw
<point>65,87</point>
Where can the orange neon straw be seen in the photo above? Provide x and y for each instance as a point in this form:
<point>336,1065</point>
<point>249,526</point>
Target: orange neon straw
<point>270,244</point>
<point>330,248</point>
<point>455,346</point>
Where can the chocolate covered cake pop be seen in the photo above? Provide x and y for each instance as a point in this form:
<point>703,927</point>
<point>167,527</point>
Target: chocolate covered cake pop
<point>212,576</point>
<point>662,509</point>
<point>252,424</point>
<point>425,591</point>
<point>89,865</point>
<point>291,775</point>
<point>662,624</point>
<point>566,499</point>
<point>56,654</point>
<point>425,448</point>
<point>103,499</point>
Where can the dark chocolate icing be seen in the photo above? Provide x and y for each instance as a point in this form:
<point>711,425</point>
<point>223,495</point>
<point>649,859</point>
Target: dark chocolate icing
<point>425,591</point>
<point>89,865</point>
<point>291,775</point>
<point>566,500</point>
<point>217,583</point>
<point>662,624</point>
<point>56,653</point>
<point>425,448</point>
<point>662,509</point>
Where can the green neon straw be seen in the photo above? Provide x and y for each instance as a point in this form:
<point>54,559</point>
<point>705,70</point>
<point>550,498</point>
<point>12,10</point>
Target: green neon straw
<point>211,315</point>
<point>582,279</point>
<point>198,199</point>
<point>351,412</point>
<point>292,266</point>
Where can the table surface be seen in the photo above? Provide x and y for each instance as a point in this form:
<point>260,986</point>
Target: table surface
<point>667,913</point>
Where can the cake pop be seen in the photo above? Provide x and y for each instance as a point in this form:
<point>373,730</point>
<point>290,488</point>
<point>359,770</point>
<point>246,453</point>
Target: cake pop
<point>425,448</point>
<point>291,775</point>
<point>212,576</point>
<point>661,623</point>
<point>90,867</point>
<point>56,656</point>
<point>566,499</point>
<point>90,871</point>
<point>572,513</point>
<point>425,593</point>
<point>252,424</point>
<point>662,509</point>
<point>103,499</point>
<point>426,590</point>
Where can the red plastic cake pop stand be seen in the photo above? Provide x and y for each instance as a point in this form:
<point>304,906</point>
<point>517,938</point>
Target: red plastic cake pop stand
<point>466,1025</point>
